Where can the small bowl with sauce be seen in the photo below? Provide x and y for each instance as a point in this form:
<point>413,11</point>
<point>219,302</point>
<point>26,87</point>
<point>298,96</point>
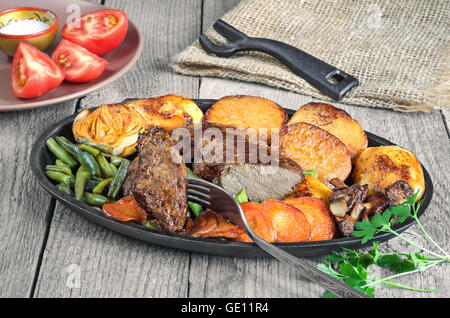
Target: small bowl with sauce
<point>35,26</point>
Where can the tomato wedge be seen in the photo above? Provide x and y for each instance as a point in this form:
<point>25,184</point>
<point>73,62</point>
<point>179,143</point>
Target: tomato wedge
<point>79,64</point>
<point>99,31</point>
<point>33,72</point>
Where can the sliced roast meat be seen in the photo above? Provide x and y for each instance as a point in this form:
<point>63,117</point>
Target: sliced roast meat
<point>250,164</point>
<point>157,180</point>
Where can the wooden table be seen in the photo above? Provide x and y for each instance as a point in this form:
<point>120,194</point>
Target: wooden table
<point>43,245</point>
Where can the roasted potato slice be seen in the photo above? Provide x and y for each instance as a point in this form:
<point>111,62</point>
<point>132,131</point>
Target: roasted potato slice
<point>247,112</point>
<point>168,112</point>
<point>380,167</point>
<point>116,125</point>
<point>312,187</point>
<point>337,122</point>
<point>314,148</point>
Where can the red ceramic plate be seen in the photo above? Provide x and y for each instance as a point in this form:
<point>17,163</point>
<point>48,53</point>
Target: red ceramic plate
<point>121,59</point>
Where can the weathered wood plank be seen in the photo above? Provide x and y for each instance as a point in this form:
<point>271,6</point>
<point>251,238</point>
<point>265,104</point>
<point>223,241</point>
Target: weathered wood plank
<point>24,206</point>
<point>110,264</point>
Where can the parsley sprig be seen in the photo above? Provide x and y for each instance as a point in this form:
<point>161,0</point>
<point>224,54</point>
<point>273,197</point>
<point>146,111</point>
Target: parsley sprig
<point>354,268</point>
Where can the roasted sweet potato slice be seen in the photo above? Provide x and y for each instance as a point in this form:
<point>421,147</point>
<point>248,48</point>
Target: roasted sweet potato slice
<point>247,112</point>
<point>167,112</point>
<point>311,187</point>
<point>318,215</point>
<point>260,222</point>
<point>337,122</point>
<point>211,224</point>
<point>126,209</point>
<point>290,223</point>
<point>314,148</point>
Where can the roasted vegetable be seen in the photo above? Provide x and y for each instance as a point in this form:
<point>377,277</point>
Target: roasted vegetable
<point>318,215</point>
<point>260,221</point>
<point>311,187</point>
<point>314,148</point>
<point>117,181</point>
<point>211,224</point>
<point>335,121</point>
<point>168,112</point>
<point>116,126</point>
<point>290,223</point>
<point>82,176</point>
<point>60,153</point>
<point>126,209</point>
<point>247,112</point>
<point>380,167</point>
<point>94,199</point>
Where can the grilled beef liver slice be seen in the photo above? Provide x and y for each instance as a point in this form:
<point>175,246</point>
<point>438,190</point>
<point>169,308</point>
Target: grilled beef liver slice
<point>158,183</point>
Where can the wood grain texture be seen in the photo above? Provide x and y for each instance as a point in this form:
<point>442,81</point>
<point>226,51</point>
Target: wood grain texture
<point>112,265</point>
<point>24,205</point>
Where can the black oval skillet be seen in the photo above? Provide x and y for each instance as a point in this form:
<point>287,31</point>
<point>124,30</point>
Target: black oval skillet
<point>41,156</point>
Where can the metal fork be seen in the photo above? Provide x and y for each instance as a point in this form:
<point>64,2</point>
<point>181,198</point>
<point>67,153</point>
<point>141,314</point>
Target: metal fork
<point>213,197</point>
<point>328,79</point>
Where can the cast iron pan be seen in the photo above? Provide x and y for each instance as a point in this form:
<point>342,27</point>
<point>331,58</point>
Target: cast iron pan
<point>41,156</point>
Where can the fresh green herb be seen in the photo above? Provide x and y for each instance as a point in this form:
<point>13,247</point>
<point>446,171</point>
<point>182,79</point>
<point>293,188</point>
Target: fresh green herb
<point>191,174</point>
<point>352,267</point>
<point>150,225</point>
<point>195,208</point>
<point>311,172</point>
<point>241,197</point>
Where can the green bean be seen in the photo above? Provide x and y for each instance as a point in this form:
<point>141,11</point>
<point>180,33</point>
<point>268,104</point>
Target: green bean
<point>150,225</point>
<point>84,157</point>
<point>91,184</point>
<point>101,186</point>
<point>60,153</point>
<point>113,168</point>
<point>102,147</point>
<point>104,165</point>
<point>195,208</point>
<point>94,199</point>
<point>81,178</point>
<point>191,174</point>
<point>65,188</point>
<point>118,179</point>
<point>59,177</point>
<point>117,160</point>
<point>93,151</point>
<point>60,163</point>
<point>241,197</point>
<point>65,170</point>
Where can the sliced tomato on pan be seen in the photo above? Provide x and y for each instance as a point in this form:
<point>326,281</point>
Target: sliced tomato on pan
<point>33,72</point>
<point>99,31</point>
<point>79,64</point>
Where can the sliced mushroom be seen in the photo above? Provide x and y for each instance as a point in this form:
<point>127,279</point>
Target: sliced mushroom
<point>343,200</point>
<point>376,203</point>
<point>337,184</point>
<point>346,225</point>
<point>398,192</point>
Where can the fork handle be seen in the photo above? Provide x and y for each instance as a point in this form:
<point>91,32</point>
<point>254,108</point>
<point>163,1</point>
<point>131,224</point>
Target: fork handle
<point>331,284</point>
<point>328,79</point>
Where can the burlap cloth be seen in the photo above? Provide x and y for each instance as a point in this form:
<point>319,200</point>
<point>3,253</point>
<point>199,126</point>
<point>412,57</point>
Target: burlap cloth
<point>399,50</point>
